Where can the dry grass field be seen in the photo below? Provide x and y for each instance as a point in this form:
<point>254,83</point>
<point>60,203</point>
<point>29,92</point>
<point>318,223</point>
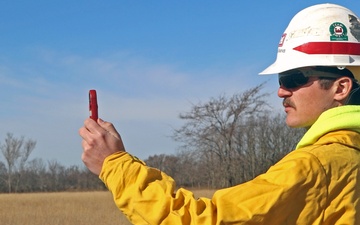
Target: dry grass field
<point>68,208</point>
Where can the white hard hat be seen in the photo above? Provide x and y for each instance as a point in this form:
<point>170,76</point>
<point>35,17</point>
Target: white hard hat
<point>320,35</point>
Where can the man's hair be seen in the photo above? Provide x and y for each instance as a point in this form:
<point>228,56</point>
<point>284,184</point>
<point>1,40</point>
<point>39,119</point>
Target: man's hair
<point>326,83</point>
<point>354,96</point>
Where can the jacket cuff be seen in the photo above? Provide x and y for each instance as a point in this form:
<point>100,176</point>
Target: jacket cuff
<point>117,163</point>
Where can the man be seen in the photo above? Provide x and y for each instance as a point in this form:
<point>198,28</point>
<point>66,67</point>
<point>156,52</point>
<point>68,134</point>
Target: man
<point>317,183</point>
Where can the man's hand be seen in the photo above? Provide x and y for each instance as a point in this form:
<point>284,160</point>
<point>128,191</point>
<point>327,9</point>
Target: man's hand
<point>99,141</point>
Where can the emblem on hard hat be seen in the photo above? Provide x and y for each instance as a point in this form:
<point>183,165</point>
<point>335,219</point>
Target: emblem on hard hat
<point>338,32</point>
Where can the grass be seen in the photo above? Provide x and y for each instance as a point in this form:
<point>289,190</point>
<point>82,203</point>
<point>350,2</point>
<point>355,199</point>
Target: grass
<point>78,208</point>
<point>68,208</point>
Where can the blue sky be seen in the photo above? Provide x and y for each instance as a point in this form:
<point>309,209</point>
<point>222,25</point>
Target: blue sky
<point>148,60</point>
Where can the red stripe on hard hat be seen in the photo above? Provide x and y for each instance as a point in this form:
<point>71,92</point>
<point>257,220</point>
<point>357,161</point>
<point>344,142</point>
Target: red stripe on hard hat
<point>336,48</point>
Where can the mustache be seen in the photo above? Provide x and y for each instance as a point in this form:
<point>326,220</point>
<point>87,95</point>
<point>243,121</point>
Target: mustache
<point>288,102</point>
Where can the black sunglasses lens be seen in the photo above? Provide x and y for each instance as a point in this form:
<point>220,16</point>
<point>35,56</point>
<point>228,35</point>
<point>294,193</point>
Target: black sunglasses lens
<point>293,80</point>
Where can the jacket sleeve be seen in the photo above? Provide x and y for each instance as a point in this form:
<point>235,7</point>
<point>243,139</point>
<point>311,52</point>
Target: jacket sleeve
<point>293,188</point>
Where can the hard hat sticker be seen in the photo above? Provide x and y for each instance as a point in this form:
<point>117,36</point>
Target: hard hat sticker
<point>355,26</point>
<point>338,32</point>
<point>282,40</point>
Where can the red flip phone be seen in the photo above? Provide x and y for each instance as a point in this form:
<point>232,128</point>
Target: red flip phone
<point>93,106</point>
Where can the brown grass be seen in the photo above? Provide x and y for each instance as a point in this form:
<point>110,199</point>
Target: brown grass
<point>70,208</point>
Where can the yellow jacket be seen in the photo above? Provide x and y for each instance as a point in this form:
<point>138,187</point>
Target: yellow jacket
<point>318,183</point>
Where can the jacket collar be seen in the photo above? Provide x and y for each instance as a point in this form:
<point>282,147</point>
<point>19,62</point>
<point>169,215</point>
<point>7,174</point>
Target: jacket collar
<point>340,118</point>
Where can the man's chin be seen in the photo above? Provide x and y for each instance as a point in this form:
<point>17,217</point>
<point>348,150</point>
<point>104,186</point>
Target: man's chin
<point>292,123</point>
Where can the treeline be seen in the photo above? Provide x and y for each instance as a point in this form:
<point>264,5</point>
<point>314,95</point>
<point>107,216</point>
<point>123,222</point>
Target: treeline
<point>37,177</point>
<point>18,174</point>
<point>225,141</point>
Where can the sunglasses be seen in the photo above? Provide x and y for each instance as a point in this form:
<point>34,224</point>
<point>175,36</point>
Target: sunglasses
<point>294,80</point>
<point>299,77</point>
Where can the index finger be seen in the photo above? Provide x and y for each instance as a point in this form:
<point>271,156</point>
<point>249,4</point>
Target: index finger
<point>90,127</point>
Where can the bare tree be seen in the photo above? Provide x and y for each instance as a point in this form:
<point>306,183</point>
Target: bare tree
<point>16,152</point>
<point>212,127</point>
<point>56,175</point>
<point>266,140</point>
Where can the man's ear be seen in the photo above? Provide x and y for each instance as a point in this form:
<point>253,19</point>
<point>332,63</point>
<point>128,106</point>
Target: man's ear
<point>342,88</point>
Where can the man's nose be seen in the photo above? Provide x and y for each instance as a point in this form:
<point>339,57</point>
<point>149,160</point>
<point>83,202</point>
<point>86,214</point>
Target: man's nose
<point>283,92</point>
